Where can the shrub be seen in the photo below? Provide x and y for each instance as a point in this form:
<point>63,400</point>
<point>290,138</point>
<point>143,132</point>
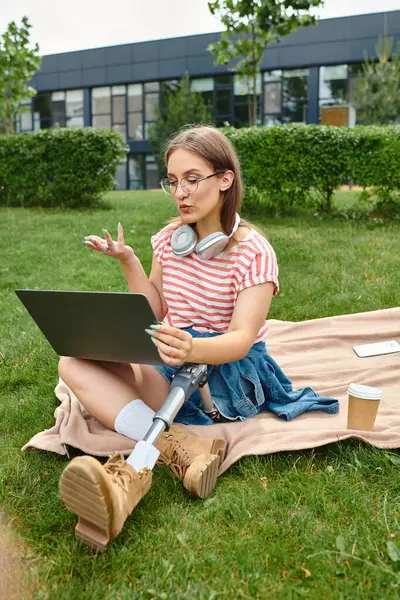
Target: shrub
<point>288,162</point>
<point>58,167</point>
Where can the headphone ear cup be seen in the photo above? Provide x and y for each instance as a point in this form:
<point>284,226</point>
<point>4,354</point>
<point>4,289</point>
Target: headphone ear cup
<point>212,245</point>
<point>183,240</point>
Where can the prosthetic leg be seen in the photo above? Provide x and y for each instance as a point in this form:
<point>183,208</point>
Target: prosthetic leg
<point>103,496</point>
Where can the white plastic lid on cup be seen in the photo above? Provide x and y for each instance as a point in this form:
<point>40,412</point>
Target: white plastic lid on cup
<point>365,392</point>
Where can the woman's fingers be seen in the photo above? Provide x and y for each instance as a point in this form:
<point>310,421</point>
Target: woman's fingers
<point>121,241</point>
<point>107,245</point>
<point>108,239</point>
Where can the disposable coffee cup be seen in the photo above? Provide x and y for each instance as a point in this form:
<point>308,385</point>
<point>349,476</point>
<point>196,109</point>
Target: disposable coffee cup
<point>363,406</point>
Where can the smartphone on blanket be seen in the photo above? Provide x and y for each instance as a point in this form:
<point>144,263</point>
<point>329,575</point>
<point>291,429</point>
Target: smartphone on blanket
<point>387,347</point>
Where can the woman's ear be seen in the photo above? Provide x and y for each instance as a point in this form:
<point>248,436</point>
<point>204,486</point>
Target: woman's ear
<point>226,180</point>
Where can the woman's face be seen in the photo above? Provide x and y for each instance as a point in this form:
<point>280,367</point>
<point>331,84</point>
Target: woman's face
<point>206,200</point>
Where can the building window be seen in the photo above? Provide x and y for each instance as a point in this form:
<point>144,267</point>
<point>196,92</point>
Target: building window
<point>152,179</point>
<point>223,99</point>
<point>135,111</point>
<point>131,109</point>
<point>42,111</point>
<point>333,85</point>
<point>272,97</point>
<point>294,104</point>
<point>101,108</point>
<point>354,73</point>
<point>67,108</point>
<point>205,87</point>
<point>136,171</point>
<point>24,121</point>
<point>151,100</point>
<point>120,176</point>
<point>118,109</point>
<point>143,172</point>
<point>243,97</point>
<point>285,96</point>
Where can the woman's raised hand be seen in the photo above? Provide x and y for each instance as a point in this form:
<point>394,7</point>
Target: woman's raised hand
<point>116,249</point>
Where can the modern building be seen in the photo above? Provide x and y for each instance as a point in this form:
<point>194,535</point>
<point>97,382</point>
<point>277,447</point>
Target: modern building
<point>118,87</point>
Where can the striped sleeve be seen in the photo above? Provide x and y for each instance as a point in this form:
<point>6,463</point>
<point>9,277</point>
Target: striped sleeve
<point>262,269</point>
<point>159,241</point>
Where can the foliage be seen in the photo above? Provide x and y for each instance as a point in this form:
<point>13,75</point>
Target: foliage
<point>18,62</point>
<point>298,164</point>
<point>179,107</point>
<point>250,25</point>
<point>58,167</point>
<point>377,93</point>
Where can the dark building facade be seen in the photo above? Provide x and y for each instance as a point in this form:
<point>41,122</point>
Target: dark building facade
<point>118,87</point>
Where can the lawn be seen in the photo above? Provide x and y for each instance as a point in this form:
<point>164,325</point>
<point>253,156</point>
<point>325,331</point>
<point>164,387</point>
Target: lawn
<point>310,524</point>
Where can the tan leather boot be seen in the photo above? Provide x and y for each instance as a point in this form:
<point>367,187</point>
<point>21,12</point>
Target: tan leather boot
<point>103,496</point>
<point>192,459</point>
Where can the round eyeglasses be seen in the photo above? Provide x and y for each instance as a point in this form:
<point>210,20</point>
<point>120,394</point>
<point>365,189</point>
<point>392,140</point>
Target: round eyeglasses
<point>189,184</point>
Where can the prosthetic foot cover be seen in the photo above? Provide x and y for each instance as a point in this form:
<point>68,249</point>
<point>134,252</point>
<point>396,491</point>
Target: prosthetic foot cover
<point>192,459</point>
<point>103,496</point>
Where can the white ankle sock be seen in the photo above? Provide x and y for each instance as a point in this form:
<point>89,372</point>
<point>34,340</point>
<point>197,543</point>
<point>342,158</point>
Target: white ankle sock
<point>134,420</point>
<point>143,455</point>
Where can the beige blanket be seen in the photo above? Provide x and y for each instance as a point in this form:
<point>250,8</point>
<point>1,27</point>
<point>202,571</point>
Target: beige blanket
<point>316,353</point>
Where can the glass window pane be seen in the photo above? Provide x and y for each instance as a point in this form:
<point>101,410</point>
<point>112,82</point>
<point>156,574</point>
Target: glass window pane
<point>333,84</point>
<point>57,96</point>
<point>43,111</point>
<point>147,127</point>
<point>135,172</point>
<point>223,79</point>
<point>121,129</point>
<point>295,84</point>
<point>74,108</point>
<point>118,104</point>
<point>242,86</point>
<point>101,100</point>
<point>59,115</point>
<point>151,101</point>
<point>223,101</point>
<point>135,126</point>
<point>135,97</point>
<point>205,84</point>
<point>120,176</point>
<point>152,179</point>
<point>171,84</point>
<point>118,90</point>
<point>272,75</point>
<point>272,98</point>
<point>26,119</point>
<point>151,86</point>
<point>102,122</point>
<point>271,120</point>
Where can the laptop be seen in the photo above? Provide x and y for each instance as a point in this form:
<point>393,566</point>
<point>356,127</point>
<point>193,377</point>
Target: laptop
<point>106,326</point>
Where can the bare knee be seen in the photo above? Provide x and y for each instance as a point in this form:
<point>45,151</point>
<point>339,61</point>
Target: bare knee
<point>68,366</point>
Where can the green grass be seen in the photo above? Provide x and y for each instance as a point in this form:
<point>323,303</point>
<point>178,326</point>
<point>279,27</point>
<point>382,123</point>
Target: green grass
<point>273,519</point>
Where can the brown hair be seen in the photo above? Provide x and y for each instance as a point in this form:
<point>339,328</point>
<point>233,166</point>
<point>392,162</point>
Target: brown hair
<point>214,147</point>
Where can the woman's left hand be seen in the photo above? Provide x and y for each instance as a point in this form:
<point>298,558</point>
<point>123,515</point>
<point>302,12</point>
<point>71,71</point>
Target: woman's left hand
<point>174,345</point>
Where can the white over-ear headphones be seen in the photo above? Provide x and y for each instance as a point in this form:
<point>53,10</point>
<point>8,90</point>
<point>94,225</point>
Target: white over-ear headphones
<point>184,241</point>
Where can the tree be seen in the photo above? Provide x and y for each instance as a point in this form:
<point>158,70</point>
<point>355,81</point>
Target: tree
<point>250,25</point>
<point>179,106</point>
<point>18,62</point>
<point>377,92</point>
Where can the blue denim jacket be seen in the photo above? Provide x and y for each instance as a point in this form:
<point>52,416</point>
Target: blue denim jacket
<point>243,388</point>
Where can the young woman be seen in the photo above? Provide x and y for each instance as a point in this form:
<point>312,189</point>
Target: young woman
<point>212,279</point>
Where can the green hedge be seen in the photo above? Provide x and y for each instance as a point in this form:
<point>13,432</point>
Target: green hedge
<point>58,167</point>
<point>291,163</point>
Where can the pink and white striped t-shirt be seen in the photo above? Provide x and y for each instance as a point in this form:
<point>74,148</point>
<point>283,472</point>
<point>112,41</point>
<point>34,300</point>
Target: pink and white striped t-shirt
<point>202,293</point>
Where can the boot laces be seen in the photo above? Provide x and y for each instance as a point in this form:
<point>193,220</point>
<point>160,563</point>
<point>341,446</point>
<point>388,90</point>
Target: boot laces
<point>117,468</point>
<point>179,459</point>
